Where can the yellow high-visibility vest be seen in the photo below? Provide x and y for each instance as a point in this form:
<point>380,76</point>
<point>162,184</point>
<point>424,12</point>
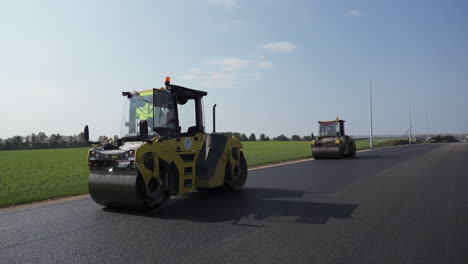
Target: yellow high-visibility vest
<point>144,112</point>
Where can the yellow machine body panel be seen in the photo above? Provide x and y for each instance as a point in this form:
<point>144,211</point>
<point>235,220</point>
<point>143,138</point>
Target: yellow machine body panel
<point>172,151</point>
<point>228,156</point>
<point>184,153</point>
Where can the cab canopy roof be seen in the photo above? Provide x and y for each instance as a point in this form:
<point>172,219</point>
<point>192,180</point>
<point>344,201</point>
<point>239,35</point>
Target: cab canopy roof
<point>330,121</point>
<point>179,91</point>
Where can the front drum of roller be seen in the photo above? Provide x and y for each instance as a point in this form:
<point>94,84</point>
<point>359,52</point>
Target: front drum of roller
<point>116,189</point>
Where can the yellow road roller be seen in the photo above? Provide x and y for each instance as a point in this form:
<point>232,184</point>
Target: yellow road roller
<point>164,151</point>
<point>332,142</point>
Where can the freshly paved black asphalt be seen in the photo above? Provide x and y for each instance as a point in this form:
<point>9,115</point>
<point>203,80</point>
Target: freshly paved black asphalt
<point>406,204</point>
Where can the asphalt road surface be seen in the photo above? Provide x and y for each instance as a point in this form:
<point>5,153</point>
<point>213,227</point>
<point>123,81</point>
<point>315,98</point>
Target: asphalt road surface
<point>406,204</point>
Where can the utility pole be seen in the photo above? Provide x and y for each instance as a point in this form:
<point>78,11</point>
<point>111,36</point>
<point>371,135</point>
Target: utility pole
<point>410,125</point>
<point>371,132</point>
<point>426,128</point>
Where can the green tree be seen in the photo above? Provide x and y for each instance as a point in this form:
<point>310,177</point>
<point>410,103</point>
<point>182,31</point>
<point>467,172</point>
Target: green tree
<point>252,137</point>
<point>56,141</point>
<point>80,138</point>
<point>34,140</point>
<point>295,138</point>
<point>262,137</point>
<point>243,137</point>
<point>17,142</point>
<point>281,138</point>
<point>27,142</point>
<point>42,139</point>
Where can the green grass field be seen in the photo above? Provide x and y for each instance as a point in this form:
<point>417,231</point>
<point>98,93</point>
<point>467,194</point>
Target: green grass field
<point>33,175</point>
<point>265,152</point>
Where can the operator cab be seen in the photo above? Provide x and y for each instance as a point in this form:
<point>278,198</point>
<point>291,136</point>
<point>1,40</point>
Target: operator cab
<point>334,128</point>
<point>172,111</point>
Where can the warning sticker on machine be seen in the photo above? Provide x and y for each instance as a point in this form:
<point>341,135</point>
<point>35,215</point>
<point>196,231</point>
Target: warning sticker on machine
<point>188,143</point>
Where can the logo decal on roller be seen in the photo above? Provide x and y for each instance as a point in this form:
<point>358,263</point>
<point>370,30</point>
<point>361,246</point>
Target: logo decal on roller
<point>188,143</point>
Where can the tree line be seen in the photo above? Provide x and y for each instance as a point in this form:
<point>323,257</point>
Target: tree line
<point>263,137</point>
<point>42,141</point>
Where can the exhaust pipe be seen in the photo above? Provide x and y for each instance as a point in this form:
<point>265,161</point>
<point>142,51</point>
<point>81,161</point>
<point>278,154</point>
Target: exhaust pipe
<point>214,118</point>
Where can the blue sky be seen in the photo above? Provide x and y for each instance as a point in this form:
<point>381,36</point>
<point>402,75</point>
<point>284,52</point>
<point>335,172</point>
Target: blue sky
<point>272,66</point>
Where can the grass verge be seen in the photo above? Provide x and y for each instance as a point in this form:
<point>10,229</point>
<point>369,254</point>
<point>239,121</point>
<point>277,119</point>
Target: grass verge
<point>378,143</point>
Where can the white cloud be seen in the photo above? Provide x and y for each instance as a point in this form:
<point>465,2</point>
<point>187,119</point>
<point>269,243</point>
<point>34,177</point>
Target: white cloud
<point>281,46</point>
<point>226,72</point>
<point>355,12</point>
<point>225,3</point>
<point>238,64</point>
<point>194,71</point>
